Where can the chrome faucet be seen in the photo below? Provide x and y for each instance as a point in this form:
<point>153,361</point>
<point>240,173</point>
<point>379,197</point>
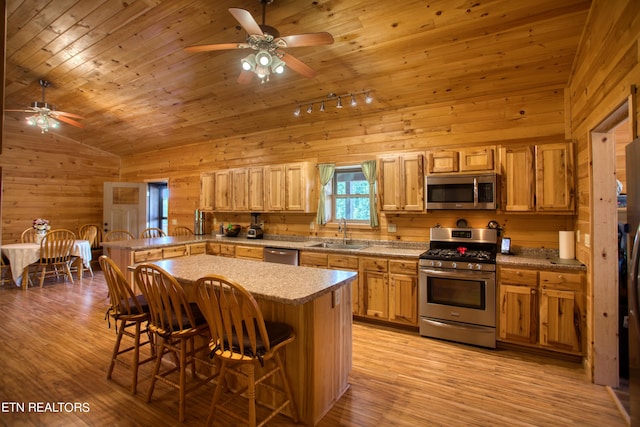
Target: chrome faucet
<point>342,226</point>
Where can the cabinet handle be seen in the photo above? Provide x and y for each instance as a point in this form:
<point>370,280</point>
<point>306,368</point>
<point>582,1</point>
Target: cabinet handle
<point>533,291</point>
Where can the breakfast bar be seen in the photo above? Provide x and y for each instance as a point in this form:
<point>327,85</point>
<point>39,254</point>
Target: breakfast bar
<point>315,302</point>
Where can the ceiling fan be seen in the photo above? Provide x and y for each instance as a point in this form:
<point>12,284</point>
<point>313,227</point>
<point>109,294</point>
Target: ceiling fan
<point>45,115</point>
<point>267,42</point>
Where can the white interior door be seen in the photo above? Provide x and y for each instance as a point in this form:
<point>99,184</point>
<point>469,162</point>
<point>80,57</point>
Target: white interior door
<point>125,206</point>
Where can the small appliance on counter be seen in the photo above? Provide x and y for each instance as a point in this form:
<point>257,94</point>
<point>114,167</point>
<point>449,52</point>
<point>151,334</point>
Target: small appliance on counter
<point>255,229</point>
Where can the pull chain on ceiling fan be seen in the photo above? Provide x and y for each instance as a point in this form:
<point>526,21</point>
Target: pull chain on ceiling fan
<point>45,115</point>
<point>267,42</point>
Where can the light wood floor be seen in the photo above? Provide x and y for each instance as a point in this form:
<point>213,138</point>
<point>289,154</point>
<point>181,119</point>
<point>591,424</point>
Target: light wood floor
<point>56,346</point>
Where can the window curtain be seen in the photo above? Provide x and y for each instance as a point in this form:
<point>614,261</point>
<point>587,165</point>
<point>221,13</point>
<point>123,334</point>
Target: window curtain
<point>326,173</point>
<point>369,168</point>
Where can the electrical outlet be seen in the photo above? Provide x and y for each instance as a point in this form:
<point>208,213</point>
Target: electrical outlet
<point>312,225</point>
<point>174,221</point>
<point>391,228</point>
<point>587,240</point>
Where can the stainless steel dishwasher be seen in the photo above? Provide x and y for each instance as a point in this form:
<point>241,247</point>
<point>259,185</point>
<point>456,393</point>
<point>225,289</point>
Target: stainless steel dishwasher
<point>281,256</point>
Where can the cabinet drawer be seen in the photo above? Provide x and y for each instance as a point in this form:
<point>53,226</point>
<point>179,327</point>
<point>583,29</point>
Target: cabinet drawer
<point>561,280</point>
<point>403,267</point>
<point>516,276</point>
<point>147,255</point>
<point>228,250</point>
<point>374,264</point>
<point>213,248</point>
<point>197,248</point>
<point>341,261</point>
<point>175,251</point>
<point>314,259</point>
<point>250,252</point>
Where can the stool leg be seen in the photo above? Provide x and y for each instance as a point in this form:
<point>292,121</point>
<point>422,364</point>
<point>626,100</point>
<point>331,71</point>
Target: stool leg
<point>136,359</point>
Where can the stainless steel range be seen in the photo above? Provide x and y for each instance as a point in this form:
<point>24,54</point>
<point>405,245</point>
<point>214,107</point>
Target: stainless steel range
<point>457,290</point>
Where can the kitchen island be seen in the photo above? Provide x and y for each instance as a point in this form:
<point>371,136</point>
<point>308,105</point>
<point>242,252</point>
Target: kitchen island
<point>315,302</point>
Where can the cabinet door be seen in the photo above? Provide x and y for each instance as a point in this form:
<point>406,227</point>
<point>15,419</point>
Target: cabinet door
<point>517,179</point>
<point>295,187</point>
<point>443,161</point>
<point>403,299</point>
<point>206,191</point>
<point>560,320</point>
<point>376,294</point>
<point>554,177</point>
<point>256,189</point>
<point>223,186</point>
<point>390,183</point>
<point>476,159</point>
<point>518,313</point>
<point>412,182</point>
<point>274,181</point>
<point>240,193</point>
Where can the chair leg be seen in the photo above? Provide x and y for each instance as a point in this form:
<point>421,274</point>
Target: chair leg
<point>68,269</point>
<point>217,394</point>
<point>251,393</point>
<point>286,387</point>
<point>183,377</point>
<point>156,368</point>
<point>116,349</point>
<point>136,359</point>
<point>44,270</point>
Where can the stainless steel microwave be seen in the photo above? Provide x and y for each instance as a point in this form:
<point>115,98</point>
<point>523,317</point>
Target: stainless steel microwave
<point>461,192</point>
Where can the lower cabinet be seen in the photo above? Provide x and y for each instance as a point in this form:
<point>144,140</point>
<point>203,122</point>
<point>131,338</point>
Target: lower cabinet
<point>545,308</point>
<point>389,289</point>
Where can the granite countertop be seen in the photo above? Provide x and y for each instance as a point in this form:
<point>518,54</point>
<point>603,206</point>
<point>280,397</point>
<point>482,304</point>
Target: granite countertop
<point>288,284</point>
<point>540,261</point>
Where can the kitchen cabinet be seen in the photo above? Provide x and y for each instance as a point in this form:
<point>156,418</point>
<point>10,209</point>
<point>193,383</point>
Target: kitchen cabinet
<point>249,252</point>
<point>389,289</point>
<point>256,189</point>
<point>207,191</point>
<point>538,178</point>
<point>223,187</point>
<point>336,262</point>
<point>545,309</point>
<point>402,182</point>
<point>290,187</point>
<point>473,159</point>
<point>240,190</point>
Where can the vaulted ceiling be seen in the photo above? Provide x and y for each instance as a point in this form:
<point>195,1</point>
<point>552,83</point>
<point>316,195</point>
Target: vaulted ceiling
<point>122,65</point>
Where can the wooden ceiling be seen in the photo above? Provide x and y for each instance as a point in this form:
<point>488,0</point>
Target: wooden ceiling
<point>121,63</point>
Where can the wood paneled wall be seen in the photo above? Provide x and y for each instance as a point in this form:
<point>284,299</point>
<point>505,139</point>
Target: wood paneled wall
<point>606,67</point>
<point>49,176</point>
<point>515,118</point>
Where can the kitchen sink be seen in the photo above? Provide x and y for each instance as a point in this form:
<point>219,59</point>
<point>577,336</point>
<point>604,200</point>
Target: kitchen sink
<point>338,246</point>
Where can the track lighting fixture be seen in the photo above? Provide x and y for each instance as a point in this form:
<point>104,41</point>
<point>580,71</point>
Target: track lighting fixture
<point>368,99</point>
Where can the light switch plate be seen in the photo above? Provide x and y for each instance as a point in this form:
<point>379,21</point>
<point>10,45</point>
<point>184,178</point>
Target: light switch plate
<point>587,240</point>
<point>391,228</point>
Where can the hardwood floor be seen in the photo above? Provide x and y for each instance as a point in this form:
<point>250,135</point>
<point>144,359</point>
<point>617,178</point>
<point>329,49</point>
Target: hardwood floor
<point>56,349</point>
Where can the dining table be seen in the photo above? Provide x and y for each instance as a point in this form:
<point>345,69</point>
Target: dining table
<point>22,255</point>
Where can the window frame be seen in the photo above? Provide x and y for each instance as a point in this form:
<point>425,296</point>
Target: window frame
<point>333,196</point>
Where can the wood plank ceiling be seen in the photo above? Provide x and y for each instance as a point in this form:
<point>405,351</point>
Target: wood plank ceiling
<point>122,65</point>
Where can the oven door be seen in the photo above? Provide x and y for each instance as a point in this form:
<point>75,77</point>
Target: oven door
<point>460,296</point>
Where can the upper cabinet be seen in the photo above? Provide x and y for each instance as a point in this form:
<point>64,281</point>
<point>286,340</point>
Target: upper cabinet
<point>538,178</point>
<point>473,159</point>
<point>401,180</point>
<point>287,187</point>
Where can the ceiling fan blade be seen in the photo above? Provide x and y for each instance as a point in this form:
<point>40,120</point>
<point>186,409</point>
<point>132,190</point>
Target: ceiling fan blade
<point>245,77</point>
<point>298,66</point>
<point>22,111</point>
<point>246,21</point>
<point>310,39</point>
<point>219,46</point>
<point>69,121</point>
<point>56,114</point>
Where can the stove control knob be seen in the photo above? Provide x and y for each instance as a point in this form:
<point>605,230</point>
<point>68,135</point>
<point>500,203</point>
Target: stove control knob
<point>439,264</point>
<point>470,266</point>
<point>432,263</point>
<point>478,266</point>
<point>454,265</point>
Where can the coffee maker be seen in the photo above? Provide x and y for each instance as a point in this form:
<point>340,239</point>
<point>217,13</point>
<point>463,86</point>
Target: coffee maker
<point>255,229</point>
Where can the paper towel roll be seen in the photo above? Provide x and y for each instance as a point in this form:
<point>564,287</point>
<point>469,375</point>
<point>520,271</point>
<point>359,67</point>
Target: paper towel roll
<point>567,245</point>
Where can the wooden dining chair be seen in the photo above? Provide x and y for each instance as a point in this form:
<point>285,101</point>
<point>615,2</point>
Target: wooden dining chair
<point>117,235</point>
<point>182,231</point>
<point>28,236</point>
<point>130,312</point>
<point>5,272</point>
<point>149,233</point>
<point>89,233</point>
<point>96,242</point>
<point>55,254</point>
<point>244,342</point>
<point>175,324</point>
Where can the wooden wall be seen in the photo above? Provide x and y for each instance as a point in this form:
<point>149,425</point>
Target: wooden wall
<point>49,176</point>
<point>514,118</point>
<point>606,68</point>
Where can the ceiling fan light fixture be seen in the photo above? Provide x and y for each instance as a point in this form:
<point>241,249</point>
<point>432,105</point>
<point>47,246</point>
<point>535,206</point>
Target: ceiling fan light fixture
<point>277,65</point>
<point>264,58</point>
<point>249,62</point>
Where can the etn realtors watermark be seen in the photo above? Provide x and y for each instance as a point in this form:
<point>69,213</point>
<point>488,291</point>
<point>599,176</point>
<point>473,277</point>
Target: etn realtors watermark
<point>44,407</point>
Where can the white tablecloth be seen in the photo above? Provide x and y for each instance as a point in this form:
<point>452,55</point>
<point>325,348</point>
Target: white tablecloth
<point>21,255</point>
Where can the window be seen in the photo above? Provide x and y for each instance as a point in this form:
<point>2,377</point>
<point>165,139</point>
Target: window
<point>350,195</point>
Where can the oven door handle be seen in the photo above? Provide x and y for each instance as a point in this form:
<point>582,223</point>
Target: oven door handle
<point>459,274</point>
